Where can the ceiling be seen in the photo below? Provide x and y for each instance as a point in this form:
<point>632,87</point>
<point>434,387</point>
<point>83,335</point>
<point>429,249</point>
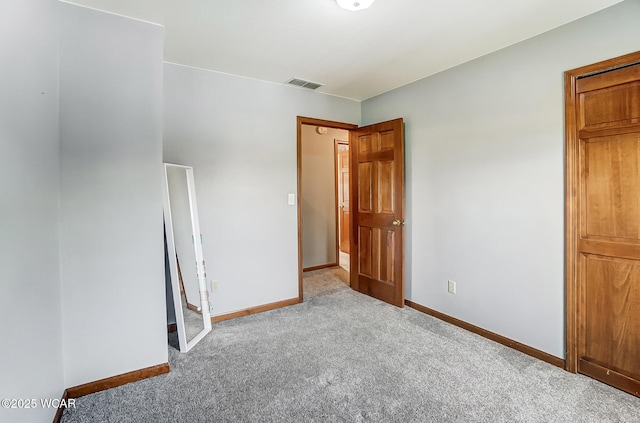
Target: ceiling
<point>355,55</point>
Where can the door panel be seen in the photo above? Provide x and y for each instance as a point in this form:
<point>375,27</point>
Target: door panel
<point>365,257</point>
<point>615,106</point>
<point>365,187</point>
<point>612,305</point>
<point>378,214</point>
<point>611,201</point>
<point>377,254</point>
<point>607,211</point>
<point>386,172</point>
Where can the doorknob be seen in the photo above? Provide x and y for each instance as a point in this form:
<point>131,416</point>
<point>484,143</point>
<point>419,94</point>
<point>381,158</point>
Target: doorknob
<point>398,222</point>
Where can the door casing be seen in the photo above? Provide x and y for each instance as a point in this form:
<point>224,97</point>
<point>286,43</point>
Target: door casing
<point>301,120</point>
<point>339,183</point>
<point>396,126</point>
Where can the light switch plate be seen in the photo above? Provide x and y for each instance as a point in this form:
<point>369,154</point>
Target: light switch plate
<point>292,199</point>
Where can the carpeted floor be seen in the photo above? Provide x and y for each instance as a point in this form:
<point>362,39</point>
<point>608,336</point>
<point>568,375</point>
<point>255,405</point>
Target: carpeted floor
<point>344,357</point>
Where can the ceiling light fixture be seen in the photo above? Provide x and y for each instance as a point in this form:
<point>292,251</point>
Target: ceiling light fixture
<point>355,5</point>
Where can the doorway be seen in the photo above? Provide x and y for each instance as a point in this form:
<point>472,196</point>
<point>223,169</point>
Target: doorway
<point>319,199</point>
<point>376,207</point>
<point>603,221</point>
<point>341,156</point>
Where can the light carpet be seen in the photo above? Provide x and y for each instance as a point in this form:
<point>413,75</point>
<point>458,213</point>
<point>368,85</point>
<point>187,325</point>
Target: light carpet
<point>344,357</point>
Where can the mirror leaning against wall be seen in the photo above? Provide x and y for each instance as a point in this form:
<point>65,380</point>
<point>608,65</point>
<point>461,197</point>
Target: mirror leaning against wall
<point>184,253</point>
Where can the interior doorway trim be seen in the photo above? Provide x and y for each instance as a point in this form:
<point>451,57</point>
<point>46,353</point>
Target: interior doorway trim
<point>572,179</point>
<point>301,120</point>
<point>336,167</point>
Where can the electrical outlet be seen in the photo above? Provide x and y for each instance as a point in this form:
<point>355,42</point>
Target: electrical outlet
<point>452,287</point>
<point>214,286</point>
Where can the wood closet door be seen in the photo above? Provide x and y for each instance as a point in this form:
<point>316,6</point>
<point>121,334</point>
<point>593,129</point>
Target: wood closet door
<point>608,248</point>
<point>377,207</point>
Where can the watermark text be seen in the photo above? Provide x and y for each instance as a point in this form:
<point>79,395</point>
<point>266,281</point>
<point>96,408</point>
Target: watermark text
<point>38,403</point>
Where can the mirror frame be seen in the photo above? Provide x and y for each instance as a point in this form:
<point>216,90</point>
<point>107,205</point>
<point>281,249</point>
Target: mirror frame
<point>185,345</point>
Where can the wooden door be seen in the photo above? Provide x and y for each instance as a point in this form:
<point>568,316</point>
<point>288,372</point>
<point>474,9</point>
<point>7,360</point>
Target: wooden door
<point>343,195</point>
<point>377,197</point>
<point>605,214</point>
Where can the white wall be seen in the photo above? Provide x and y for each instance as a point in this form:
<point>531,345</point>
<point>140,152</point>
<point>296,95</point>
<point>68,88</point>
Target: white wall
<point>485,186</point>
<point>111,234</point>
<point>239,135</point>
<point>319,195</point>
<point>31,364</point>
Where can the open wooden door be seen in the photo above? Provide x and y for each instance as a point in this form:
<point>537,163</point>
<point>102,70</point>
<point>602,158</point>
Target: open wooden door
<point>377,209</point>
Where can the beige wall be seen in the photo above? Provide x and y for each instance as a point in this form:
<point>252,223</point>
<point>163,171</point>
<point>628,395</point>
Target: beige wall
<point>319,195</point>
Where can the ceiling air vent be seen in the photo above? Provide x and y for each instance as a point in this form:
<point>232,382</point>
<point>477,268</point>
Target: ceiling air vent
<point>304,84</point>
